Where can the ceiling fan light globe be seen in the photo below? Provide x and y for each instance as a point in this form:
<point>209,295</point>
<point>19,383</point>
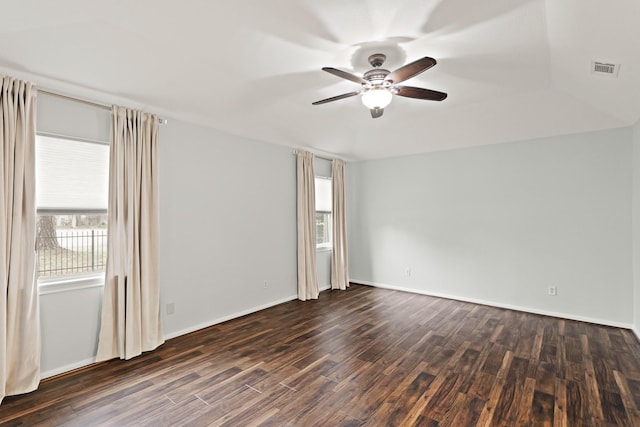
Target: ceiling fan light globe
<point>376,98</point>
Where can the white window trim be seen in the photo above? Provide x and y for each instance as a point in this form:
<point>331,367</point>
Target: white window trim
<point>70,283</point>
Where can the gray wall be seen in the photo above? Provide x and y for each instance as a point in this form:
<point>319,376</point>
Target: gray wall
<point>636,228</point>
<point>496,224</point>
<point>70,318</point>
<point>499,224</point>
<point>227,225</point>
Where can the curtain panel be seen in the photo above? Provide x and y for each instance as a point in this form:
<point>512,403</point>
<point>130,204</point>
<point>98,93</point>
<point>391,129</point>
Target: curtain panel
<point>339,262</point>
<point>306,213</point>
<point>19,311</point>
<point>131,304</point>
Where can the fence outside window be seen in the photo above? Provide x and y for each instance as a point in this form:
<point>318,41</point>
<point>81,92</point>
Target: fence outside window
<point>72,252</point>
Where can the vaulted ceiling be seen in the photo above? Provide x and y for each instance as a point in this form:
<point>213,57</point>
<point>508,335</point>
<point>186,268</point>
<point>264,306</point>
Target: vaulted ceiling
<point>513,69</point>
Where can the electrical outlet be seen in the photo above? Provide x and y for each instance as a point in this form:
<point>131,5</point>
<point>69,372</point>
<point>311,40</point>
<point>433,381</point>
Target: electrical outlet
<point>266,284</point>
<point>407,272</point>
<point>171,308</point>
<point>553,291</point>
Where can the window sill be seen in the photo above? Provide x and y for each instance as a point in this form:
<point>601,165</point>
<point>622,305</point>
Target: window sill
<point>70,283</point>
<point>324,248</point>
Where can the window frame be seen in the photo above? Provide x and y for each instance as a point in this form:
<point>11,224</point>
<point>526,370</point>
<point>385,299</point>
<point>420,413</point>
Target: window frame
<point>70,282</point>
<point>326,246</point>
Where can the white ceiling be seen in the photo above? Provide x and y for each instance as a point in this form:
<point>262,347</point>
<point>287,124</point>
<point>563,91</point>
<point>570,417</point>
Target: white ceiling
<point>513,69</point>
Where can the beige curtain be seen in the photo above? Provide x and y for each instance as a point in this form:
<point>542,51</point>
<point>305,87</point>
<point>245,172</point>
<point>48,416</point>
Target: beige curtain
<point>19,312</point>
<point>131,304</point>
<point>339,264</point>
<point>307,273</point>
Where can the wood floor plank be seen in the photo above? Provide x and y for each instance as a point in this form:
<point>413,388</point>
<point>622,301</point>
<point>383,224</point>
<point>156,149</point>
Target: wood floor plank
<point>493,399</point>
<point>593,392</point>
<point>526,402</point>
<point>633,415</point>
<point>361,357</point>
<point>577,404</point>
<point>466,413</point>
<point>542,409</point>
<point>559,410</point>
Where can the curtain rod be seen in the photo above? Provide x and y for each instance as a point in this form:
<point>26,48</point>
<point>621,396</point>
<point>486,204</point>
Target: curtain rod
<point>295,152</point>
<point>71,98</point>
<point>84,101</point>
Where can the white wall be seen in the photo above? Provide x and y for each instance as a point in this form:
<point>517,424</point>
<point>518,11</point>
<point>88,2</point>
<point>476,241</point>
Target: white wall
<point>636,227</point>
<point>227,224</point>
<point>501,223</point>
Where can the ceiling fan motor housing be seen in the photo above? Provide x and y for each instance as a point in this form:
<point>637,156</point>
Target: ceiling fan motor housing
<point>376,76</point>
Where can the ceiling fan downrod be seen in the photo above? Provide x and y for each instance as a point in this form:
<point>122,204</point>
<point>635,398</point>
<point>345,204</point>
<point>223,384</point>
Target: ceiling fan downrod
<point>377,59</point>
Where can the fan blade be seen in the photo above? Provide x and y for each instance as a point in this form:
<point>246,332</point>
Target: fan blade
<point>410,70</point>
<point>345,75</point>
<point>420,93</point>
<point>335,98</point>
<point>376,112</point>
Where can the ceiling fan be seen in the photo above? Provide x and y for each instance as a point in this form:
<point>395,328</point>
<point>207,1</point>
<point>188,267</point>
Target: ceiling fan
<point>379,85</point>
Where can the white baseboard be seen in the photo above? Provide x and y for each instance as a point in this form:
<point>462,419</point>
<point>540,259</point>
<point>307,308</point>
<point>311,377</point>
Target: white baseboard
<point>67,368</point>
<point>499,305</point>
<point>234,315</point>
<point>225,318</point>
<point>86,362</point>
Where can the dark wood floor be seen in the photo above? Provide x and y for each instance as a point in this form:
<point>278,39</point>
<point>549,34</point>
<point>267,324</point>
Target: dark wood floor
<point>366,356</point>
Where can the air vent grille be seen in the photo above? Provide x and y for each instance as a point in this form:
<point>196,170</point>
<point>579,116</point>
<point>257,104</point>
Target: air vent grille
<point>605,68</point>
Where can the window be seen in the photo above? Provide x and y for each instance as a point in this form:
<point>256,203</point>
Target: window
<point>71,197</point>
<point>323,212</point>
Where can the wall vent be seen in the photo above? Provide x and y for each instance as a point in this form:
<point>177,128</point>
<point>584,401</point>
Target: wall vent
<point>605,69</point>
